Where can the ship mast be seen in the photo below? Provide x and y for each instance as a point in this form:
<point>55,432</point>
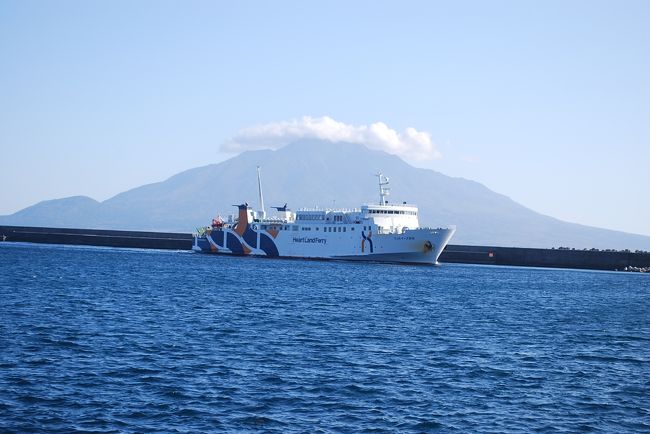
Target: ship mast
<point>383,191</point>
<point>259,187</point>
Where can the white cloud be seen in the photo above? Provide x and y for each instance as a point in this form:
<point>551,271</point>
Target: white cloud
<point>411,144</point>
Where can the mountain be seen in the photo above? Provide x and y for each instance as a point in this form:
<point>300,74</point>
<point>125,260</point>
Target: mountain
<point>317,173</point>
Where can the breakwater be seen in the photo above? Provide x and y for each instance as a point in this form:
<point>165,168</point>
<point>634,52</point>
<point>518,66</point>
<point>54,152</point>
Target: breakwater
<point>553,258</point>
<point>453,253</point>
<point>97,237</point>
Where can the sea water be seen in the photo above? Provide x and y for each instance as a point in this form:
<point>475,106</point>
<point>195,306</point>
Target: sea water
<point>115,340</point>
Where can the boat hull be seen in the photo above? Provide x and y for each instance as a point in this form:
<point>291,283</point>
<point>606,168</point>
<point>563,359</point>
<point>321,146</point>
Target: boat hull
<point>416,246</point>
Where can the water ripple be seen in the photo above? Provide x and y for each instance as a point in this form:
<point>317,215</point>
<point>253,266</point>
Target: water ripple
<point>110,340</point>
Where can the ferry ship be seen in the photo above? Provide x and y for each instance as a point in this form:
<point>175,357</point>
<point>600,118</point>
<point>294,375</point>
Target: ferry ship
<point>380,232</point>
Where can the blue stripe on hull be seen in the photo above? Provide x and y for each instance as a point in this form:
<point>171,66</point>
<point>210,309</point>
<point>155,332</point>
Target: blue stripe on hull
<point>250,236</point>
<point>404,258</point>
<point>268,246</point>
<point>217,237</point>
<point>233,244</point>
<point>203,244</point>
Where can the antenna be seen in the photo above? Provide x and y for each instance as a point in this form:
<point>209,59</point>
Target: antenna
<point>383,191</point>
<point>259,187</point>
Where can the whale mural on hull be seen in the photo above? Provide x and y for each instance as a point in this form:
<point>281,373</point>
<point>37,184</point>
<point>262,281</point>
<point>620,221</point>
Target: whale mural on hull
<point>243,238</point>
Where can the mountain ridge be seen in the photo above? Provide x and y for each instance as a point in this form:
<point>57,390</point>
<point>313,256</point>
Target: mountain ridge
<point>326,174</point>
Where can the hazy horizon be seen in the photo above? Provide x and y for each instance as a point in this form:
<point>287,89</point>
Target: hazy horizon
<point>544,103</point>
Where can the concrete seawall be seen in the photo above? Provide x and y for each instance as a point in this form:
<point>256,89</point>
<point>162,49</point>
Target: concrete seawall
<point>97,237</point>
<point>555,258</point>
<point>585,259</point>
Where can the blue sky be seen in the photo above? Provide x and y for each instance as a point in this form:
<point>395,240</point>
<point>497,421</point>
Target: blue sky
<point>545,102</point>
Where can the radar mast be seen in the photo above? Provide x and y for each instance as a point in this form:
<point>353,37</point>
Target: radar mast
<point>383,190</point>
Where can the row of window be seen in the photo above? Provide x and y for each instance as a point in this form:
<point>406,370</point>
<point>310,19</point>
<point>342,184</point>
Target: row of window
<point>329,228</point>
<point>336,229</point>
<point>308,228</point>
<point>276,228</point>
<point>336,218</point>
<point>391,211</point>
<point>310,217</point>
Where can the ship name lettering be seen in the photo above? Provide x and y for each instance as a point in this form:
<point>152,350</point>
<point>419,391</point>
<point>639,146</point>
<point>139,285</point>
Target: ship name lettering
<point>308,240</point>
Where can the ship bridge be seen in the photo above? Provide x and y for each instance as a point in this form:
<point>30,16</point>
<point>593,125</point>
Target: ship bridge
<point>392,218</point>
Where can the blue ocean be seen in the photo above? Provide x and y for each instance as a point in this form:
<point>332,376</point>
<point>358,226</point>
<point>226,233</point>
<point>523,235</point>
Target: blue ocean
<point>117,340</point>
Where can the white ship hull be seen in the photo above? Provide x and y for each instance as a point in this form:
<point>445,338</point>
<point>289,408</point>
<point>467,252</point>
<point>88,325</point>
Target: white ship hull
<point>422,246</point>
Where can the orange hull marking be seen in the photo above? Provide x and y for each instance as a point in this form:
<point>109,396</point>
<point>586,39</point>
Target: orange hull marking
<point>240,229</point>
<point>273,232</point>
<point>242,224</point>
<point>246,250</point>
